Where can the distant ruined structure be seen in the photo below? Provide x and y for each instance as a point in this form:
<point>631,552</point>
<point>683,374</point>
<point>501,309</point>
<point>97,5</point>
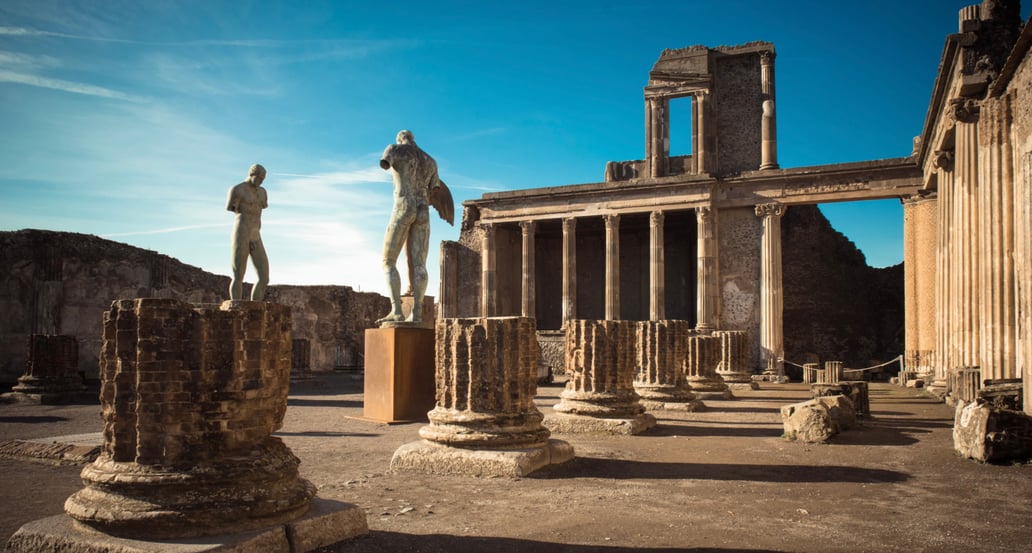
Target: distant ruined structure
<point>695,237</point>
<point>700,237</point>
<point>62,283</point>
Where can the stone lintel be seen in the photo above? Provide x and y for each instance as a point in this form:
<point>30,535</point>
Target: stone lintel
<point>434,458</point>
<point>327,522</point>
<point>563,423</point>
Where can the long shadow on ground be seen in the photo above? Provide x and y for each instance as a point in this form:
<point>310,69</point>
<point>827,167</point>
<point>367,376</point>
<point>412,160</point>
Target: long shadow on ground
<point>383,542</point>
<point>592,467</point>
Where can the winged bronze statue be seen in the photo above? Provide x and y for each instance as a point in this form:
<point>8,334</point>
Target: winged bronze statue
<point>441,200</point>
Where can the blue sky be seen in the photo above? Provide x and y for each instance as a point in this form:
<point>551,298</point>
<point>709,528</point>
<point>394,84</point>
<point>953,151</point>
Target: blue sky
<point>130,120</point>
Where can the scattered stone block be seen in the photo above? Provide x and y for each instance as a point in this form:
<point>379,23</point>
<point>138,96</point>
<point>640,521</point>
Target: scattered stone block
<point>856,391</point>
<point>485,422</point>
<point>816,420</point>
<point>916,383</point>
<point>992,435</point>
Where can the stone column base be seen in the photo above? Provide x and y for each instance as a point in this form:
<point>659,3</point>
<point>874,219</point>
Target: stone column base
<point>710,388</point>
<point>694,404</point>
<point>750,385</point>
<point>770,377</point>
<point>433,458</point>
<point>562,423</point>
<point>327,522</point>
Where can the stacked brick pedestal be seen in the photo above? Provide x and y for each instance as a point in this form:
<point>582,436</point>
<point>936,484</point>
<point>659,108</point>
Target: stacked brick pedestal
<point>51,370</point>
<point>485,422</point>
<point>660,380</point>
<point>190,396</point>
<point>600,396</point>
<point>700,367</point>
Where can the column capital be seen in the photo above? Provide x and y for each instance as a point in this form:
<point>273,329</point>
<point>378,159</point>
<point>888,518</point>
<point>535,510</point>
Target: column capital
<point>964,110</point>
<point>656,218</point>
<point>612,220</point>
<point>943,159</point>
<point>767,57</point>
<point>528,226</point>
<point>704,213</point>
<point>569,224</point>
<point>488,228</point>
<point>770,210</point>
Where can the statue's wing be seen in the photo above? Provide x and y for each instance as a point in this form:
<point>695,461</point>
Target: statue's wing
<point>442,201</point>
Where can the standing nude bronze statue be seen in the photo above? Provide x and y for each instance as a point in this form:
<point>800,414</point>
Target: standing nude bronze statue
<point>416,187</point>
<point>247,200</point>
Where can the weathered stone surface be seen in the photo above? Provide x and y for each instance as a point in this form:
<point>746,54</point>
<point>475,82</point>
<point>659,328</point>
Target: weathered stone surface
<point>857,392</point>
<point>700,367</point>
<point>485,422</point>
<point>992,435</point>
<point>601,358</point>
<point>51,370</point>
<point>326,523</point>
<point>733,367</point>
<point>816,420</point>
<point>660,353</point>
<point>189,398</point>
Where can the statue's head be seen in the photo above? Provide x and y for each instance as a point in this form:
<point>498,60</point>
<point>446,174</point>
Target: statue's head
<point>405,137</point>
<point>256,174</point>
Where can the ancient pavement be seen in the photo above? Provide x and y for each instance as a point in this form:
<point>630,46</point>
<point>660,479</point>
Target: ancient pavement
<point>719,480</point>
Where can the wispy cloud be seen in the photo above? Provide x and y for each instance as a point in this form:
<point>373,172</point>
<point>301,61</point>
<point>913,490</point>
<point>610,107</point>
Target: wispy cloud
<point>169,230</point>
<point>477,134</point>
<point>66,86</point>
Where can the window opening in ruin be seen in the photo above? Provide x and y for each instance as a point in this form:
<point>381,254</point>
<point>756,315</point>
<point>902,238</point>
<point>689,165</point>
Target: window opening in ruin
<point>680,127</point>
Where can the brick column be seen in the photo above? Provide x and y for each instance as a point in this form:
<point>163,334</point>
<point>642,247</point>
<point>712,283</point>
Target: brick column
<point>660,352</point>
<point>488,272</point>
<point>733,367</point>
<point>768,129</point>
<point>569,268</point>
<point>51,369</point>
<point>708,285</point>
<point>528,295</point>
<point>485,422</point>
<point>600,396</point>
<point>700,367</point>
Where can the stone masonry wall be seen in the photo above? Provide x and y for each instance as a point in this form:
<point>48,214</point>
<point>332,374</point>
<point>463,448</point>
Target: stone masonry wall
<point>739,250</point>
<point>62,283</point>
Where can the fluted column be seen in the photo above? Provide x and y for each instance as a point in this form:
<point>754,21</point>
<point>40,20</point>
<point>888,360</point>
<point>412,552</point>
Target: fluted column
<point>600,396</point>
<point>945,295</point>
<point>733,366</point>
<point>768,129</point>
<point>998,315</point>
<point>612,266</point>
<point>700,367</point>
<point>920,244</point>
<point>966,173</point>
<point>771,307</point>
<point>569,268</point>
<point>485,422</point>
<point>660,353</point>
<point>528,295</point>
<point>488,272</point>
<point>708,285</point>
<point>657,268</point>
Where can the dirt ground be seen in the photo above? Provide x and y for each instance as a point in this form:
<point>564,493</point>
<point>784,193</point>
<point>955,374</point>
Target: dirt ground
<point>718,480</point>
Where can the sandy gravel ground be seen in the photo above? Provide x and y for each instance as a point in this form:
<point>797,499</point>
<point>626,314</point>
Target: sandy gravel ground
<point>718,480</point>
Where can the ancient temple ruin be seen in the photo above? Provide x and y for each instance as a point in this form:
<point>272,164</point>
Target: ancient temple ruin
<point>694,237</point>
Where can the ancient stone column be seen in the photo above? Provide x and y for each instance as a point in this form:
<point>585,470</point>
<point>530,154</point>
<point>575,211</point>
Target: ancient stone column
<point>660,379</point>
<point>485,422</point>
<point>612,266</point>
<point>768,129</point>
<point>657,128</point>
<point>300,358</point>
<point>600,396</point>
<point>528,295</point>
<point>772,348</point>
<point>945,295</point>
<point>700,367</point>
<point>996,211</point>
<point>657,286</point>
<point>733,367</point>
<point>832,372</point>
<point>190,396</point>
<point>569,268</point>
<point>965,112</point>
<point>700,118</point>
<point>708,287</point>
<point>488,272</point>
<point>51,370</point>
<point>810,372</point>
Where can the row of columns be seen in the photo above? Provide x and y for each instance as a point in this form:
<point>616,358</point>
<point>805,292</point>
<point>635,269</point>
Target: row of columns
<point>708,291</point>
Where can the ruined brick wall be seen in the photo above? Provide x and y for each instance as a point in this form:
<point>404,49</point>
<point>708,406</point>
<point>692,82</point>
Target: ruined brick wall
<point>62,283</point>
<point>739,113</point>
<point>836,307</point>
